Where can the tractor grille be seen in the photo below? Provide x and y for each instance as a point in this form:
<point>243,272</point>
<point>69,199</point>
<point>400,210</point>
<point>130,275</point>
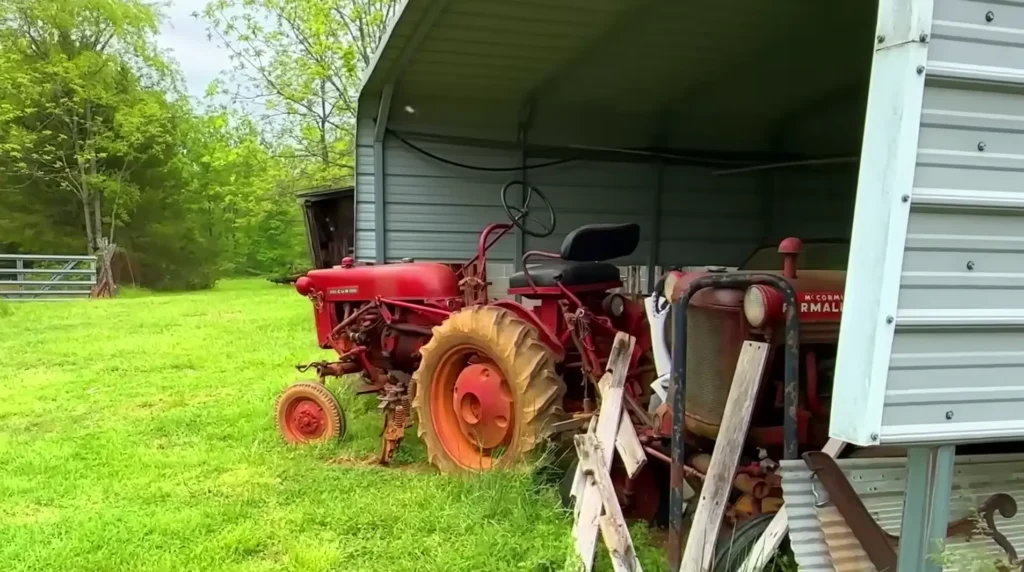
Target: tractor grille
<point>714,340</point>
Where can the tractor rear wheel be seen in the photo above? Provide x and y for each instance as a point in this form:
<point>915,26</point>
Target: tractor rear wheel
<point>486,392</point>
<point>307,412</point>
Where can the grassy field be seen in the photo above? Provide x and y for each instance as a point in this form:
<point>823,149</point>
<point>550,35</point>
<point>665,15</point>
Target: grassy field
<point>138,434</point>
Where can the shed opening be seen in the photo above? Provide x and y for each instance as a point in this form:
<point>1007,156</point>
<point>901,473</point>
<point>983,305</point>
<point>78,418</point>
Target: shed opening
<point>717,128</point>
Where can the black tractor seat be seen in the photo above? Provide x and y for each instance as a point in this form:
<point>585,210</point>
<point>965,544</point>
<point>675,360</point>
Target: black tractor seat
<point>567,273</point>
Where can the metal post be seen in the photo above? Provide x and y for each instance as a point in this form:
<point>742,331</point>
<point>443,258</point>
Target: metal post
<point>652,255</point>
<point>926,507</point>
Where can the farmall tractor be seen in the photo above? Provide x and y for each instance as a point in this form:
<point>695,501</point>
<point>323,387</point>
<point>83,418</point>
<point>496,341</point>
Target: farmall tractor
<point>486,380</point>
<point>490,380</point>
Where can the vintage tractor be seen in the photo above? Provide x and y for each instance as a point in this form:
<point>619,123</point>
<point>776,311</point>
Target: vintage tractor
<point>723,315</point>
<point>486,379</point>
<point>722,310</point>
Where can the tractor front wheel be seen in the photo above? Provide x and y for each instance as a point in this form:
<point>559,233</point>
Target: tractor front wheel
<point>308,413</point>
<point>486,392</point>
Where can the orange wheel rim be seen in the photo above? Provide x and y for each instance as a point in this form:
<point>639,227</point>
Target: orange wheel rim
<point>471,407</point>
<point>304,420</point>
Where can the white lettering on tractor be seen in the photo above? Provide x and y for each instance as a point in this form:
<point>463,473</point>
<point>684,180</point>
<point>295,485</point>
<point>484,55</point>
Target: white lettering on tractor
<point>821,303</point>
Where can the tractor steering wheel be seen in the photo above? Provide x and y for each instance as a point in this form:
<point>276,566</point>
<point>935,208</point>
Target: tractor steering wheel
<point>518,215</point>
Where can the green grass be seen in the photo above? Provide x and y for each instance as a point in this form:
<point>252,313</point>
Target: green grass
<point>138,434</point>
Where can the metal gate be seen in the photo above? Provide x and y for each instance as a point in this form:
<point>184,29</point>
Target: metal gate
<point>46,277</point>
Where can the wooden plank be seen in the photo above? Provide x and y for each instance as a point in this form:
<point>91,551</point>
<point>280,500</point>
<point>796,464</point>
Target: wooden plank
<point>608,420</point>
<point>573,424</point>
<point>771,538</point>
<point>627,443</point>
<point>578,480</point>
<point>629,447</point>
<point>700,547</point>
<point>613,524</point>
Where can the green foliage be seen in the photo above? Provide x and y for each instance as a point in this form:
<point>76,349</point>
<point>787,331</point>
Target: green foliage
<point>97,140</point>
<point>298,67</point>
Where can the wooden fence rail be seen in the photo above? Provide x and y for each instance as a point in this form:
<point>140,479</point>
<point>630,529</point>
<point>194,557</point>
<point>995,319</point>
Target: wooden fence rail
<point>46,276</point>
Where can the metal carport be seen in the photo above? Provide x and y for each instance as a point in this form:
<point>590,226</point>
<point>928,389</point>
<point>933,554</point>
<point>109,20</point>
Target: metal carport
<point>658,104</point>
<point>647,100</point>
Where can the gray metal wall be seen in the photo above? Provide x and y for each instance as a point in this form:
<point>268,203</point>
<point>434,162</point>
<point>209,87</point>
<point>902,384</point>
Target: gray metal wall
<point>957,364</point>
<point>436,211</point>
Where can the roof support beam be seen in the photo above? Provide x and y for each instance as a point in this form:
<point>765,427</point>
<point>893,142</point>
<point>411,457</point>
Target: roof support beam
<point>380,128</point>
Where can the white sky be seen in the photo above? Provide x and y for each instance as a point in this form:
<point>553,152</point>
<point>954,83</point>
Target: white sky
<point>200,60</point>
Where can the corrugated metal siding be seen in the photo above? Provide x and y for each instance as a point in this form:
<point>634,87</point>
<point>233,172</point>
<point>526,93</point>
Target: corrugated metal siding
<point>813,202</point>
<point>435,211</point>
<point>709,220</point>
<point>881,485</point>
<point>366,241</point>
<point>958,354</point>
<point>589,192</point>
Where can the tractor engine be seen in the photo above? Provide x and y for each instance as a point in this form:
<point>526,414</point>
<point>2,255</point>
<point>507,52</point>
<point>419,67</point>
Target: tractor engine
<point>720,320</point>
<point>376,318</point>
<point>373,315</point>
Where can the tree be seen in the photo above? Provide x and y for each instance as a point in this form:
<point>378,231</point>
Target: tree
<point>90,106</point>
<point>298,66</point>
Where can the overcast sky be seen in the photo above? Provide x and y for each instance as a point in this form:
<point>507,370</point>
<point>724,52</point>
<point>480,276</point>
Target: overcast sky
<point>200,59</point>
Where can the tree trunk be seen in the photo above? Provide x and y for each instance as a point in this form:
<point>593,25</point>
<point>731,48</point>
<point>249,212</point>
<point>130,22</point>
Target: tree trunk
<point>97,216</point>
<point>97,225</point>
<point>323,124</point>
<point>90,241</point>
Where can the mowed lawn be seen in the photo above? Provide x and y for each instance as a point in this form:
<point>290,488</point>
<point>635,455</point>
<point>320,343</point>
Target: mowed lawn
<point>138,434</point>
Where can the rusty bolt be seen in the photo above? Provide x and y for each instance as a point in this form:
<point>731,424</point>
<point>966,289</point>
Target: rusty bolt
<point>889,319</point>
<point>949,415</point>
<point>880,38</point>
<point>920,70</point>
<point>924,37</point>
<point>989,16</point>
<point>981,145</point>
<point>970,265</point>
<point>905,198</point>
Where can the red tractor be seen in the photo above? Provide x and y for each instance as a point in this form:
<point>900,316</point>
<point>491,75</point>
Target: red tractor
<point>486,379</point>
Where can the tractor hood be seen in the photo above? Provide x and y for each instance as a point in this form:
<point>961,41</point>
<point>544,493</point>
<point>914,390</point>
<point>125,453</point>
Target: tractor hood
<point>819,293</point>
<point>400,281</point>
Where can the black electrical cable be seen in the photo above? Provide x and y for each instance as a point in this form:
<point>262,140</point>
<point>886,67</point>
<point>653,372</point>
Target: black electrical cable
<point>477,167</point>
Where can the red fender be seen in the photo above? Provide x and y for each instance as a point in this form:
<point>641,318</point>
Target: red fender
<point>545,334</point>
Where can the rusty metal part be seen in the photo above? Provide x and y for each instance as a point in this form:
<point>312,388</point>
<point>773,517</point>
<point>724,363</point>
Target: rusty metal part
<point>394,400</point>
<point>395,423</point>
<point>744,508</point>
<point>753,486</point>
<point>657,454</point>
<point>771,504</point>
<point>330,368</point>
<point>677,387</point>
<point>879,545</point>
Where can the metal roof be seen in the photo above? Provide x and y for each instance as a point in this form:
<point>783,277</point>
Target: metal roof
<point>324,192</point>
<point>735,74</point>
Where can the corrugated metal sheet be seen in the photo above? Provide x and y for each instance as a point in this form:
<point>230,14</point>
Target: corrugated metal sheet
<point>366,241</point>
<point>658,70</point>
<point>881,485</point>
<point>436,211</point>
<point>957,363</point>
<point>813,202</point>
